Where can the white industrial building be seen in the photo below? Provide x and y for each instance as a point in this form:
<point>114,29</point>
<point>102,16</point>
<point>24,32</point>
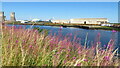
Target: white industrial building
<point>23,21</point>
<point>36,20</point>
<point>60,21</point>
<point>83,21</point>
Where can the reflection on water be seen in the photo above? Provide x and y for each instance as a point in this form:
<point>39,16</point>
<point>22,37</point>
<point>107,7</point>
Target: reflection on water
<point>105,36</point>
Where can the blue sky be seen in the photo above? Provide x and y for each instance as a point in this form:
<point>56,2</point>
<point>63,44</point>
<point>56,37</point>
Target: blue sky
<point>60,0</point>
<point>62,10</point>
<point>0,6</point>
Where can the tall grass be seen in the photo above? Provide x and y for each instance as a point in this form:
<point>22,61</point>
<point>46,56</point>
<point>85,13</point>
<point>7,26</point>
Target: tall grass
<point>28,47</point>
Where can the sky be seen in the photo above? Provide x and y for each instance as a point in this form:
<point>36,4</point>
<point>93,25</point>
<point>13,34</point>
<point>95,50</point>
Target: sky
<point>0,5</point>
<point>60,0</point>
<point>61,10</point>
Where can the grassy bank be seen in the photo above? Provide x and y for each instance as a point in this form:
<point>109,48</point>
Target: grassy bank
<point>28,47</point>
<point>106,28</point>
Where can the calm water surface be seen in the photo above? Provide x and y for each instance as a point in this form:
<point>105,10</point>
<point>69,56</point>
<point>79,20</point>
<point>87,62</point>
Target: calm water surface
<point>105,36</point>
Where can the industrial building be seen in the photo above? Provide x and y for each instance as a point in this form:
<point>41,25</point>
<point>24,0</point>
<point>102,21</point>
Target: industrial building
<point>2,19</point>
<point>60,21</point>
<point>83,21</point>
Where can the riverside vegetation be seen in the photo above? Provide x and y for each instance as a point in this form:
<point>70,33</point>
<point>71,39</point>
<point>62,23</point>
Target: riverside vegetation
<point>115,27</point>
<point>32,47</point>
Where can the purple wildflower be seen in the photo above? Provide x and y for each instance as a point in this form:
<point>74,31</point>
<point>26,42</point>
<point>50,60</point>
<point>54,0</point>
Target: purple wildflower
<point>23,40</point>
<point>102,51</point>
<point>74,57</point>
<point>85,60</point>
<point>79,52</point>
<point>14,26</point>
<point>30,46</point>
<point>61,27</point>
<point>57,53</point>
<point>78,38</point>
<point>78,64</point>
<point>109,45</point>
<point>67,55</point>
<point>65,61</point>
<point>20,27</point>
<point>98,34</point>
<point>104,45</point>
<point>106,58</point>
<point>70,34</point>
<point>69,50</point>
<point>114,31</point>
<point>99,42</point>
<point>16,41</point>
<point>8,46</point>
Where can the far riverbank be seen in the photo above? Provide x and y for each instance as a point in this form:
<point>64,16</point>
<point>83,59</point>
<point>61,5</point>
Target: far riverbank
<point>83,26</point>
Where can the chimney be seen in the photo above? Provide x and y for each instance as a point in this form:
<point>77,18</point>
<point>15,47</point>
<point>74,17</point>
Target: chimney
<point>12,17</point>
<point>2,17</point>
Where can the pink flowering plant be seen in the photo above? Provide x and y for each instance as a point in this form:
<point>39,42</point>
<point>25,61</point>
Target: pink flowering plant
<point>28,47</point>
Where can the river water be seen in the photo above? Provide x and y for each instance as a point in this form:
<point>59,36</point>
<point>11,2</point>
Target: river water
<point>105,36</point>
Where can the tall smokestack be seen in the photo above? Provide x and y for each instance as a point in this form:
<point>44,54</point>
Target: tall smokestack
<point>2,17</point>
<point>12,17</point>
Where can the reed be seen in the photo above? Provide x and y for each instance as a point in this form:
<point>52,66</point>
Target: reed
<point>29,47</point>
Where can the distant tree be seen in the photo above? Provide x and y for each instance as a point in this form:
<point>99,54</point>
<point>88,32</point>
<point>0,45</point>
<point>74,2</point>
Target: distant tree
<point>85,22</point>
